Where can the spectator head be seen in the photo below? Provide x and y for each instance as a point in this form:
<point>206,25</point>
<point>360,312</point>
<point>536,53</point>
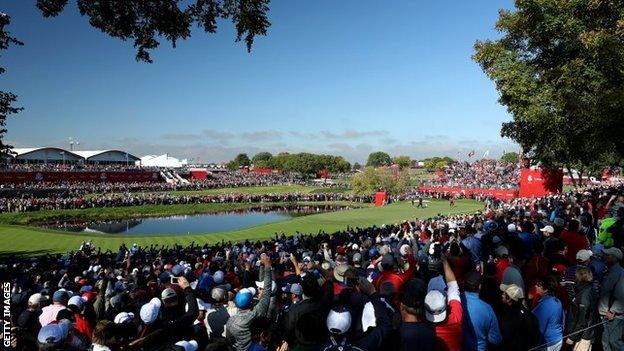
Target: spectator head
<point>150,311</point>
<point>243,299</point>
<point>512,228</point>
<point>612,256</point>
<point>104,333</point>
<point>435,304</point>
<point>53,335</point>
<point>218,277</point>
<point>547,230</point>
<point>584,275</point>
<point>218,295</point>
<point>502,252</point>
<point>512,294</point>
<point>546,285</point>
<point>169,297</point>
<point>583,256</point>
<point>338,321</point>
<point>37,300</point>
<point>187,345</point>
<point>472,282</point>
<point>124,317</point>
<point>310,285</point>
<point>76,304</point>
<point>387,262</point>
<point>294,289</point>
<point>60,297</point>
<point>413,298</point>
<point>404,250</point>
<point>574,225</point>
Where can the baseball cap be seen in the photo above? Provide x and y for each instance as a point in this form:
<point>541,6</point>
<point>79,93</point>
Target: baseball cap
<point>260,285</point>
<point>124,317</point>
<point>501,251</point>
<point>511,228</point>
<point>339,272</point>
<point>217,294</point>
<point>584,255</point>
<point>548,229</point>
<point>77,301</point>
<point>613,251</point>
<point>338,321</point>
<point>218,277</point>
<point>513,291</point>
<point>435,303</point>
<point>187,345</point>
<point>60,296</point>
<point>243,299</point>
<point>168,294</point>
<point>294,289</point>
<point>177,270</point>
<point>53,333</point>
<point>149,311</point>
<point>37,298</point>
<point>404,249</point>
<point>357,257</point>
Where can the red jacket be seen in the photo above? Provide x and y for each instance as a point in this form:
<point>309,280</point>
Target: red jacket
<point>575,242</point>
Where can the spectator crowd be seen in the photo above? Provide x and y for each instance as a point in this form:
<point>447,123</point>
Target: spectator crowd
<point>533,274</point>
<point>486,174</point>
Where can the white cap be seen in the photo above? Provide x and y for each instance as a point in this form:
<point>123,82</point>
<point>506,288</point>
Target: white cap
<point>123,317</point>
<point>511,228</point>
<point>338,322</point>
<point>548,229</point>
<point>77,301</point>
<point>260,285</point>
<point>584,255</point>
<point>355,247</point>
<point>613,251</point>
<point>187,345</point>
<point>149,311</point>
<point>368,317</point>
<point>404,249</point>
<point>435,302</point>
<point>37,298</point>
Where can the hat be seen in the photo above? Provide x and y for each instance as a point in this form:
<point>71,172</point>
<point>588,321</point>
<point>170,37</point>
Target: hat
<point>260,285</point>
<point>548,229</point>
<point>149,311</point>
<point>613,251</point>
<point>86,288</point>
<point>294,289</point>
<point>124,317</point>
<point>88,296</point>
<point>435,303</point>
<point>339,272</point>
<point>218,277</point>
<point>60,296</point>
<point>501,251</point>
<point>308,259</point>
<point>187,345</point>
<point>387,260</point>
<point>53,333</point>
<point>77,301</point>
<point>177,270</point>
<point>584,255</point>
<point>243,299</point>
<point>357,257</point>
<point>559,222</point>
<point>217,294</point>
<point>118,301</point>
<point>338,322</point>
<point>355,247</point>
<point>168,294</point>
<point>37,298</point>
<point>513,291</point>
<point>511,228</point>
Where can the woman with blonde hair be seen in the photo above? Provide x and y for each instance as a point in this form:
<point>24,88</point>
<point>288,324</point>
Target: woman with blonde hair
<point>582,311</point>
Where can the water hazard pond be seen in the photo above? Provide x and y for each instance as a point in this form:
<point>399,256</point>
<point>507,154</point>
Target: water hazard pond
<point>194,224</point>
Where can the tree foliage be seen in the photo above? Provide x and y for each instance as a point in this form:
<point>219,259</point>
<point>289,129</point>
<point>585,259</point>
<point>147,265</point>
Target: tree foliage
<point>310,164</point>
<point>7,99</point>
<point>373,179</point>
<point>510,157</point>
<point>145,22</point>
<point>559,70</point>
<point>434,163</point>
<point>403,162</point>
<point>379,158</point>
<point>262,159</point>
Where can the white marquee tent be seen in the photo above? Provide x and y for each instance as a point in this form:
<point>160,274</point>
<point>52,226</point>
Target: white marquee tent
<point>162,161</point>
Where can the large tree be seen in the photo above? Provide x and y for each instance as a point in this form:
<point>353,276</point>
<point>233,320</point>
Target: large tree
<point>145,23</point>
<point>373,179</point>
<point>559,70</point>
<point>379,158</point>
<point>262,159</point>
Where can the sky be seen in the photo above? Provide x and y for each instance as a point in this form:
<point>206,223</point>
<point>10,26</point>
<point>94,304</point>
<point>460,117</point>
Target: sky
<point>342,77</point>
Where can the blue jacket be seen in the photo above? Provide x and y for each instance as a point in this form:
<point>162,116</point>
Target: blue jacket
<point>549,313</point>
<point>480,324</point>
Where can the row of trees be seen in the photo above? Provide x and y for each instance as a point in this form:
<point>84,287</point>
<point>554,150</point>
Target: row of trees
<point>305,163</point>
<point>380,158</point>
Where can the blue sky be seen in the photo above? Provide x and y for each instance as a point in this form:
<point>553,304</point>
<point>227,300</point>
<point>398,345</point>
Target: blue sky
<point>342,77</point>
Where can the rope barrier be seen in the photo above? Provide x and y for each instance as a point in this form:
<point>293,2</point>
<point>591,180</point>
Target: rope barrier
<point>567,336</point>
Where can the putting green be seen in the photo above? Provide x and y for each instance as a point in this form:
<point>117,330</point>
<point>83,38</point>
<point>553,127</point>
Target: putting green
<point>32,241</point>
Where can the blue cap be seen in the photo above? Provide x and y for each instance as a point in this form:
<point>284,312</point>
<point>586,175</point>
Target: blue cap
<point>177,270</point>
<point>60,296</point>
<point>243,299</point>
<point>490,225</point>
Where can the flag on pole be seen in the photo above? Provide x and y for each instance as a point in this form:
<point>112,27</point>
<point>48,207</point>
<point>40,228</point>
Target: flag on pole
<point>486,154</point>
<point>471,153</point>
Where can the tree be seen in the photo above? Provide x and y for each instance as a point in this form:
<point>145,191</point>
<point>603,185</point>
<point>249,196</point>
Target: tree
<point>145,23</point>
<point>435,163</point>
<point>262,159</point>
<point>379,158</point>
<point>559,70</point>
<point>403,162</point>
<point>510,157</point>
<point>373,179</point>
<point>6,98</point>
<point>242,160</point>
<point>357,166</point>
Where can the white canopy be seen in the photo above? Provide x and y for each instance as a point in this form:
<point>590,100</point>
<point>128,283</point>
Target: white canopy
<point>162,161</point>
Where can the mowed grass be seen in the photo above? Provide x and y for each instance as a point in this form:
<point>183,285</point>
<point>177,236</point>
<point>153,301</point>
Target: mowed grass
<point>28,240</point>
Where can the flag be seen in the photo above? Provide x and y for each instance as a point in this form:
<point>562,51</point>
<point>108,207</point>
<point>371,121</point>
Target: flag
<point>471,153</point>
<point>486,154</point>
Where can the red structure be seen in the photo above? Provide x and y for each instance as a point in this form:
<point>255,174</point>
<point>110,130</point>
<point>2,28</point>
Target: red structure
<point>262,170</point>
<point>198,174</point>
<point>380,198</point>
<point>106,176</point>
<point>540,182</point>
<point>323,173</point>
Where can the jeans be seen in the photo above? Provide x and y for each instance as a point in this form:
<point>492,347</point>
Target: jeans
<point>612,335</point>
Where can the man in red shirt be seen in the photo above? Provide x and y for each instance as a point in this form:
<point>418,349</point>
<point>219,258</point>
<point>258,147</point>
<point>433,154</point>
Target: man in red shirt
<point>446,312</point>
<point>575,240</point>
<point>389,274</point>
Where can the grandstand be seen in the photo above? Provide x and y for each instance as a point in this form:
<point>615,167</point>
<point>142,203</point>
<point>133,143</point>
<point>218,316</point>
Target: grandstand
<point>58,155</point>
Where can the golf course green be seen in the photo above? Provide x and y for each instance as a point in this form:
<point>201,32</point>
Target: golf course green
<point>26,240</point>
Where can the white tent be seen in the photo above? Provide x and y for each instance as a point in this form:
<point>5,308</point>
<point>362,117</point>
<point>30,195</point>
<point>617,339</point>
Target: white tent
<point>162,161</point>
